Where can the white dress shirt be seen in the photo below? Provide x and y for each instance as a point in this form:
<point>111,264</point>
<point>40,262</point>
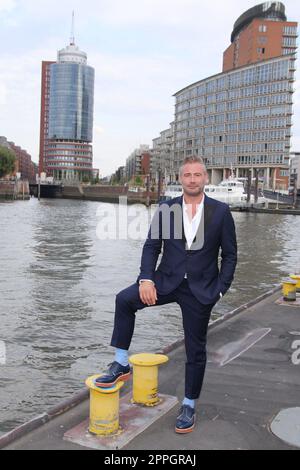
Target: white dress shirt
<point>191,225</point>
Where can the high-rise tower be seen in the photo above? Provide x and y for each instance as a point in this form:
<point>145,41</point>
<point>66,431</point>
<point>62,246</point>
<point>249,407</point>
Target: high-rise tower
<point>67,104</point>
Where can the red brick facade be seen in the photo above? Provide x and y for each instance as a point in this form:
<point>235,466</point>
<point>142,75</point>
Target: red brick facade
<point>24,165</point>
<point>262,39</point>
<point>45,91</point>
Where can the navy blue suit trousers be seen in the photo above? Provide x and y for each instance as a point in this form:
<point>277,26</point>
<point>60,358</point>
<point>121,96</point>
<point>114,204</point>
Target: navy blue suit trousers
<point>195,318</point>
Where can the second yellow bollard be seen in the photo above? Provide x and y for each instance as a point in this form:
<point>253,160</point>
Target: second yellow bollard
<point>296,277</point>
<point>104,408</point>
<point>289,290</point>
<point>145,378</point>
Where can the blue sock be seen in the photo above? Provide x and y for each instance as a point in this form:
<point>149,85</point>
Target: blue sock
<point>189,402</point>
<point>121,356</point>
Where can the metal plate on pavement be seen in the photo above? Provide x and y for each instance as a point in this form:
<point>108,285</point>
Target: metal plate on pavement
<point>134,419</point>
<point>286,426</point>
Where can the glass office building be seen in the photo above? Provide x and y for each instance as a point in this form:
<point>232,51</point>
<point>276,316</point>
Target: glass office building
<point>69,95</point>
<point>71,102</point>
<point>238,120</point>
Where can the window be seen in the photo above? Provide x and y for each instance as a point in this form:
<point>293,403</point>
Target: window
<point>290,30</point>
<point>261,101</point>
<point>289,42</point>
<point>232,116</point>
<point>248,91</point>
<point>232,105</point>
<point>210,99</point>
<point>262,28</point>
<point>231,138</point>
<point>221,107</point>
<point>286,51</point>
<point>246,125</point>
<point>278,110</point>
<point>221,96</point>
<point>261,112</point>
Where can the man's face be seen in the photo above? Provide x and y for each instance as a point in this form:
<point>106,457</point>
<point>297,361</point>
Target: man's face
<point>193,179</point>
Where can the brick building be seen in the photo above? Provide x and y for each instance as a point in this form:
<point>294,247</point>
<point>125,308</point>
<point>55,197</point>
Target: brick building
<point>24,164</point>
<point>261,33</point>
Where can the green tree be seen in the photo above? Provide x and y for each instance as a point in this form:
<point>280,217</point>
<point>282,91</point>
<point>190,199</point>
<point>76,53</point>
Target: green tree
<point>7,161</point>
<point>138,181</point>
<point>96,180</point>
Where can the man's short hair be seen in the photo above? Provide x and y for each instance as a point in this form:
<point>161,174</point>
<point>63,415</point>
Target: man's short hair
<point>191,159</point>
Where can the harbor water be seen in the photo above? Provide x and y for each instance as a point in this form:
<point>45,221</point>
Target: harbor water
<point>58,281</point>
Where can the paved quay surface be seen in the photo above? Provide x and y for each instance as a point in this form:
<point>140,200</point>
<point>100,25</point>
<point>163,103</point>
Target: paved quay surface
<point>250,378</point>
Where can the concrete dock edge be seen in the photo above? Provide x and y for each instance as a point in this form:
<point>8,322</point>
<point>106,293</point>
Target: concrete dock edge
<point>42,419</point>
<point>83,395</point>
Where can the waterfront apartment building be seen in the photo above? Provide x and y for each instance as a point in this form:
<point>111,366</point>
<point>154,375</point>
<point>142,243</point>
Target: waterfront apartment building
<point>138,163</point>
<point>24,164</point>
<point>161,154</point>
<point>295,170</point>
<point>67,106</point>
<point>238,120</point>
<point>241,119</point>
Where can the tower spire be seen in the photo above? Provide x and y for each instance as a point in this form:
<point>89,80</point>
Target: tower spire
<point>72,39</point>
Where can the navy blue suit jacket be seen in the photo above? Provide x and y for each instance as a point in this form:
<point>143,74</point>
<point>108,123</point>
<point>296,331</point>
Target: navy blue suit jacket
<point>206,279</point>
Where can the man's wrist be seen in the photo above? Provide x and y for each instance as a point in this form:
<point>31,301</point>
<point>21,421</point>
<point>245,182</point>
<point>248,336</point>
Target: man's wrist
<point>145,280</point>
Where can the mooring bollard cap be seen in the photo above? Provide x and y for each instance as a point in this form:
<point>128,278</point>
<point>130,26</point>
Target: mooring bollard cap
<point>148,359</point>
<point>289,281</point>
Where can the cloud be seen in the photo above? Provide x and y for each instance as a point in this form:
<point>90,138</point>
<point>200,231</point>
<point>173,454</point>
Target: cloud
<point>7,5</point>
<point>3,93</point>
<point>143,51</point>
<point>99,130</point>
<point>2,353</point>
<point>20,78</point>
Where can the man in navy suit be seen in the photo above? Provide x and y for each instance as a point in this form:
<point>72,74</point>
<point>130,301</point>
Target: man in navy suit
<point>191,229</point>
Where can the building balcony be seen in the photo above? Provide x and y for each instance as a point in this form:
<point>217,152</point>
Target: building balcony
<point>291,35</point>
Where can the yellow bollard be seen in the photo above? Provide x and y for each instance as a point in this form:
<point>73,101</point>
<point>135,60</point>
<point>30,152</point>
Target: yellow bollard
<point>145,378</point>
<point>289,290</point>
<point>296,277</point>
<point>104,408</point>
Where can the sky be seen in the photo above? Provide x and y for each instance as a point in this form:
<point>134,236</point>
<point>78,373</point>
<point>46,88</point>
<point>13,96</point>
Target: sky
<point>143,52</point>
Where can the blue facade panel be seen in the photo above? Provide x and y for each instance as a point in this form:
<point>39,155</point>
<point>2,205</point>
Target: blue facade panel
<point>71,102</point>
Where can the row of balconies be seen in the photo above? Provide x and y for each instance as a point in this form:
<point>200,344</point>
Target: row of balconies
<point>230,100</point>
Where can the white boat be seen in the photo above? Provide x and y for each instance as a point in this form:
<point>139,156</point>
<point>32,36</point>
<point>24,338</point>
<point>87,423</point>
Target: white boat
<point>173,190</point>
<point>230,191</point>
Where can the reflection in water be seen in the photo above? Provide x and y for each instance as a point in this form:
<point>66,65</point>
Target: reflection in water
<point>57,291</point>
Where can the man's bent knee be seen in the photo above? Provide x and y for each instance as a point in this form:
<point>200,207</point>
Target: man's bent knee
<point>129,295</point>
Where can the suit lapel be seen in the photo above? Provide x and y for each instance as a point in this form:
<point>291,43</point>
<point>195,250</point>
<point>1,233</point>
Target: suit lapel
<point>209,209</point>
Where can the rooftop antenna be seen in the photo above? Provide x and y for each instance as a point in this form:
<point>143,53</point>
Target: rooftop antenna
<point>72,39</point>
